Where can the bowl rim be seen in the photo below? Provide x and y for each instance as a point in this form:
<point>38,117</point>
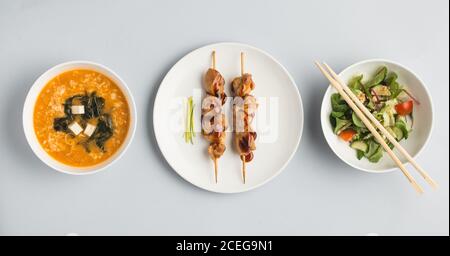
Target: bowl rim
<point>428,95</point>
<point>36,147</point>
<point>297,93</point>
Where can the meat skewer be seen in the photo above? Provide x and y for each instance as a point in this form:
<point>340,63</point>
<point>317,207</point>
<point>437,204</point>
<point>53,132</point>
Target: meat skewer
<point>213,117</point>
<point>244,110</point>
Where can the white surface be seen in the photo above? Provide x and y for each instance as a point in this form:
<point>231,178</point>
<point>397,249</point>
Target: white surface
<point>422,113</point>
<point>278,123</point>
<point>316,194</point>
<point>28,113</point>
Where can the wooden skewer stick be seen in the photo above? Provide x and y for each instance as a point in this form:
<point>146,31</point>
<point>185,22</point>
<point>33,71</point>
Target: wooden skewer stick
<point>372,129</point>
<point>214,59</point>
<point>243,170</point>
<point>242,63</point>
<point>383,130</point>
<point>215,169</point>
<point>243,157</point>
<point>215,159</point>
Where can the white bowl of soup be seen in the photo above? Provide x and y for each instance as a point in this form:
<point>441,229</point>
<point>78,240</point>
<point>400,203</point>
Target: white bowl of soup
<point>79,117</point>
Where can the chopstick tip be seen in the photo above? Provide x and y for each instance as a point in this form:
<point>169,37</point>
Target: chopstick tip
<point>317,63</point>
<point>433,183</point>
<point>418,188</point>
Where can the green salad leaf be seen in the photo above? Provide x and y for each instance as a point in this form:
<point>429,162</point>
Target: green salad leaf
<point>341,124</point>
<point>375,157</point>
<point>385,86</point>
<point>336,114</point>
<point>390,78</point>
<point>400,124</point>
<point>338,104</point>
<point>356,83</point>
<point>359,154</point>
<point>356,121</point>
<point>395,89</point>
<point>378,78</point>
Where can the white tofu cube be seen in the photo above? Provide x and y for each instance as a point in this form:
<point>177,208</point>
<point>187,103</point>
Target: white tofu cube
<point>75,128</point>
<point>78,109</point>
<point>89,130</point>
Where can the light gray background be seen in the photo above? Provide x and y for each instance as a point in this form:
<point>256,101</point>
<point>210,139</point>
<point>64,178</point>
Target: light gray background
<point>317,194</point>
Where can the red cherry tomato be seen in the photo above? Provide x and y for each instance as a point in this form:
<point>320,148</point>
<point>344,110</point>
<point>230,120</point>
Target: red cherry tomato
<point>404,108</point>
<point>347,135</point>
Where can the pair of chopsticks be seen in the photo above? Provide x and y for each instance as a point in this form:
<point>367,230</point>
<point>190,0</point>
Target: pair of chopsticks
<point>370,121</point>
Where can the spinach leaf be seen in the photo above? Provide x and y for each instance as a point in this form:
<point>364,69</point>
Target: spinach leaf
<point>395,89</point>
<point>373,147</point>
<point>378,78</point>
<point>355,83</point>
<point>390,78</point>
<point>338,104</point>
<point>332,120</point>
<point>348,114</point>
<point>375,157</point>
<point>357,122</point>
<point>341,124</point>
<point>359,154</point>
<point>337,114</point>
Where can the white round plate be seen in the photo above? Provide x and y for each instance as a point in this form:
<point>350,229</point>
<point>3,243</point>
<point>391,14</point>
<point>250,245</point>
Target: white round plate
<point>279,120</point>
<point>423,116</point>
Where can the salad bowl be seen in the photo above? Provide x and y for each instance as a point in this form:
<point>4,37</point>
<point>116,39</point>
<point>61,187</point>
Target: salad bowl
<point>420,121</point>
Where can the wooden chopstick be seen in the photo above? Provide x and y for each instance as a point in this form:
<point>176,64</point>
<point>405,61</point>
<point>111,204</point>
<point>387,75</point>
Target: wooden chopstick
<point>372,129</point>
<point>380,127</point>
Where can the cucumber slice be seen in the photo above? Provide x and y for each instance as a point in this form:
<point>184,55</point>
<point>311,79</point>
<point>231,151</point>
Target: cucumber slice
<point>398,133</point>
<point>391,131</point>
<point>359,145</point>
<point>402,126</point>
<point>388,118</point>
<point>409,121</point>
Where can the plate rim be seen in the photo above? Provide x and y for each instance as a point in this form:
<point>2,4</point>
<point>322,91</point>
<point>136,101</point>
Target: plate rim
<point>427,92</point>
<point>298,95</point>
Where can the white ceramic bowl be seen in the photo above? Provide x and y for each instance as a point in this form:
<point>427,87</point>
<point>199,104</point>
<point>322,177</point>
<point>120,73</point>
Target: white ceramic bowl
<point>28,111</point>
<point>423,116</point>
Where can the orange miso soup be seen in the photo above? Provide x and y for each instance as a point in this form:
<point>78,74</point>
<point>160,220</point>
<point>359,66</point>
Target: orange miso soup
<point>81,118</point>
